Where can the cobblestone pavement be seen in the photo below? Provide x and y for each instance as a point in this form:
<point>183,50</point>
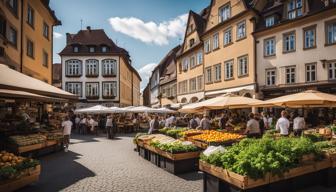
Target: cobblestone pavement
<point>97,164</point>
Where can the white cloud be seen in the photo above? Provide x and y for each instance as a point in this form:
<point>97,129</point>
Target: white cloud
<point>150,32</point>
<point>57,35</point>
<point>145,72</point>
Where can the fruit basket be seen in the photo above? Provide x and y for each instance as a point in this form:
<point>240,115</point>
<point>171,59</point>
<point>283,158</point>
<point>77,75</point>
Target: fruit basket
<point>17,171</point>
<point>211,137</point>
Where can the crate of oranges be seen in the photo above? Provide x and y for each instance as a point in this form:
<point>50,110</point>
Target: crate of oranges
<point>212,137</point>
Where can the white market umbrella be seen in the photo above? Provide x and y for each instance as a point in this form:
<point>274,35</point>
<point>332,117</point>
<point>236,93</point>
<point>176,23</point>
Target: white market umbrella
<point>115,110</point>
<point>98,109</point>
<point>164,110</point>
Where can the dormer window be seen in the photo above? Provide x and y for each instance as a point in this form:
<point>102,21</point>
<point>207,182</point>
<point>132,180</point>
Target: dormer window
<point>75,49</point>
<point>104,49</point>
<point>294,9</point>
<point>91,49</point>
<point>269,21</point>
<point>224,13</point>
<point>191,42</point>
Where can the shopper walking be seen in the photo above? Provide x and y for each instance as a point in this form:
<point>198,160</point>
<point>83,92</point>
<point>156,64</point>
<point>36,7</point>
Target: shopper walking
<point>298,124</point>
<point>222,121</point>
<point>66,125</point>
<point>283,124</point>
<point>83,125</point>
<point>193,123</point>
<point>108,126</point>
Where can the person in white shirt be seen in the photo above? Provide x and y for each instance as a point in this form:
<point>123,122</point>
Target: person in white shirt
<point>252,127</point>
<point>283,124</point>
<point>198,120</point>
<point>66,125</point>
<point>265,119</point>
<point>83,125</point>
<point>108,126</point>
<point>77,121</point>
<point>298,125</point>
<point>92,124</point>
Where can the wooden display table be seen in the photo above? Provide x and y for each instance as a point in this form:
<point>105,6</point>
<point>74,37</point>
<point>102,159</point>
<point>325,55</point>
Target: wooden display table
<point>219,179</point>
<point>30,176</point>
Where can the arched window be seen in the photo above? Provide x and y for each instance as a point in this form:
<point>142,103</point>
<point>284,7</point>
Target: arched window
<point>184,100</point>
<point>73,68</point>
<point>92,67</point>
<point>193,100</point>
<point>109,67</point>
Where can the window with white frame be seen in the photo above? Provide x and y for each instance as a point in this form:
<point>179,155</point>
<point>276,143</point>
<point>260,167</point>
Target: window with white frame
<point>73,67</point>
<point>311,72</point>
<point>199,82</point>
<point>224,13</point>
<point>331,32</point>
<point>269,21</point>
<point>30,16</point>
<point>228,36</point>
<point>269,46</point>
<point>183,87</point>
<point>92,90</point>
<point>294,9</point>
<point>215,41</point>
<point>192,85</point>
<point>290,75</point>
<point>207,47</point>
<point>241,30</point>
<point>92,67</point>
<point>191,42</point>
<point>74,88</point>
<point>309,37</point>
<point>208,75</point>
<point>243,65</point>
<point>185,64</point>
<point>218,72</point>
<point>192,61</point>
<point>332,70</point>
<point>270,77</point>
<point>109,67</point>
<point>110,89</point>
<point>199,57</point>
<point>289,42</point>
<point>228,70</point>
<point>45,30</point>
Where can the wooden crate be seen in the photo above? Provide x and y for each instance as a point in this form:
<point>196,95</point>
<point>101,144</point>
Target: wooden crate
<point>242,182</point>
<point>174,156</point>
<point>31,176</point>
<point>51,142</point>
<point>23,149</point>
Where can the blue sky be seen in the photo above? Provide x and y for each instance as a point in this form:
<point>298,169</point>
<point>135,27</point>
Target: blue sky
<point>148,29</point>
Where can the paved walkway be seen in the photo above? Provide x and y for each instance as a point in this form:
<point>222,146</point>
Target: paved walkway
<point>97,164</point>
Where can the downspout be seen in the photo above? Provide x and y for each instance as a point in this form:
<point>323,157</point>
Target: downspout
<point>52,54</point>
<point>132,88</point>
<point>119,80</point>
<point>21,40</point>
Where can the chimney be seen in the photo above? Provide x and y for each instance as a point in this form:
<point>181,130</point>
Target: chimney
<point>88,28</point>
<point>68,38</point>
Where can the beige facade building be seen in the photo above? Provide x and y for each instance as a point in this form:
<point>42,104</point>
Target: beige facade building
<point>296,47</point>
<point>26,37</point>
<point>229,48</point>
<point>190,68</point>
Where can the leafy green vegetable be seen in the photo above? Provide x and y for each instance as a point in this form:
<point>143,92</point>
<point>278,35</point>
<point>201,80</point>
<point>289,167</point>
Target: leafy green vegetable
<point>256,157</point>
<point>174,147</point>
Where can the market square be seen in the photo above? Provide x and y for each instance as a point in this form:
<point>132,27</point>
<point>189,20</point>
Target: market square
<point>206,95</point>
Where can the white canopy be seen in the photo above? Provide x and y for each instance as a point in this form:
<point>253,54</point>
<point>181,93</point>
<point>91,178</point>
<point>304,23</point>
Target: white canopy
<point>10,94</point>
<point>115,110</point>
<point>98,109</point>
<point>164,110</point>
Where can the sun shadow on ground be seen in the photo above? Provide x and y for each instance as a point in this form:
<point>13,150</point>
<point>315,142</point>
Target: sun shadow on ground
<point>67,173</point>
<point>193,176</point>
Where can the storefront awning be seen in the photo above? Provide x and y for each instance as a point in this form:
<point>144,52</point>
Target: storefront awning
<point>14,80</point>
<point>12,94</point>
<point>231,90</point>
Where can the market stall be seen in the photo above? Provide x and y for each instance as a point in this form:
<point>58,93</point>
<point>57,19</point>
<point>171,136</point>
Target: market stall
<point>29,126</point>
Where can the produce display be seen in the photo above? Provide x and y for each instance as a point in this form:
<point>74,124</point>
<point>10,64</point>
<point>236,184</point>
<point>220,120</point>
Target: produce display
<point>191,132</point>
<point>24,140</point>
<point>12,166</point>
<point>175,146</point>
<point>173,132</point>
<point>216,136</point>
<point>54,136</point>
<point>256,157</point>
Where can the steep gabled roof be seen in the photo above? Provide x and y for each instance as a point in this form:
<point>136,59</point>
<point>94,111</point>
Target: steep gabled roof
<point>169,71</point>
